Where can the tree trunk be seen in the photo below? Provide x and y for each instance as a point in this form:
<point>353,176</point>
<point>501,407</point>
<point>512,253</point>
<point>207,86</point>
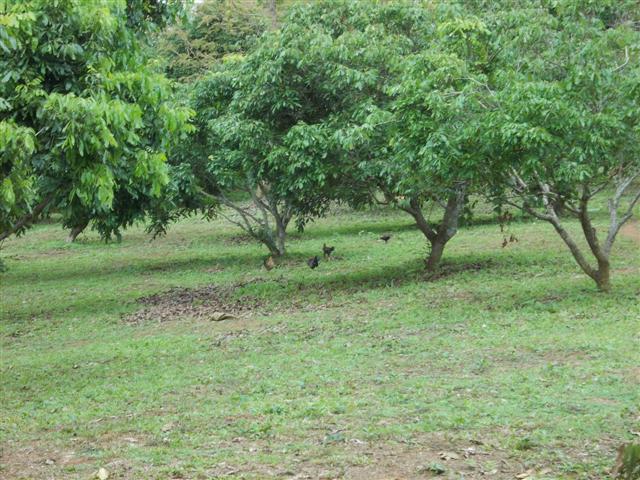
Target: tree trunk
<point>435,255</point>
<point>445,231</point>
<point>276,246</point>
<point>601,274</point>
<point>603,277</point>
<point>273,13</point>
<point>28,219</point>
<point>280,239</point>
<point>275,241</point>
<point>77,230</point>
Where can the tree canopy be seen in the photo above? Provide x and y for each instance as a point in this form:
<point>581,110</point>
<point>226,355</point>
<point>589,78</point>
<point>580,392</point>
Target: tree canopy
<point>214,29</point>
<point>565,118</point>
<point>533,105</point>
<point>90,120</point>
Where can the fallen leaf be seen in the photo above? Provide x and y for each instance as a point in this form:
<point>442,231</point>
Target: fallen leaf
<point>219,316</point>
<point>449,456</point>
<point>102,474</point>
<point>167,427</point>
<point>435,468</point>
<point>527,474</point>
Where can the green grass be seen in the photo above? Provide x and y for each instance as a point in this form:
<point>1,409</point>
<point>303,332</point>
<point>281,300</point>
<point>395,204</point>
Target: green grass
<point>363,368</point>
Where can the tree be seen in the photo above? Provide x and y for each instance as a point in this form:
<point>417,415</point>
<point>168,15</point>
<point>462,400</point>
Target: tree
<point>266,123</point>
<point>430,123</point>
<point>411,114</point>
<point>566,126</point>
<point>17,190</point>
<point>90,120</point>
<point>240,137</point>
<point>332,108</point>
<point>214,29</point>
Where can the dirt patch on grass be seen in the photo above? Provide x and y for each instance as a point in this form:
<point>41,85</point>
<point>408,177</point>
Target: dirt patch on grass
<point>334,454</point>
<point>214,269</point>
<point>435,458</point>
<point>633,374</point>
<point>631,230</point>
<point>339,456</point>
<point>450,269</point>
<point>36,460</point>
<point>202,303</point>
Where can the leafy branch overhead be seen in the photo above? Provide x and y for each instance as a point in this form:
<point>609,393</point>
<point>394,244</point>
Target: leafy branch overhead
<point>92,122</point>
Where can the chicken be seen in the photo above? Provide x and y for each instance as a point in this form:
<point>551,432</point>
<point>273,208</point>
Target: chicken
<point>269,263</point>
<point>385,237</point>
<point>313,262</point>
<point>327,251</point>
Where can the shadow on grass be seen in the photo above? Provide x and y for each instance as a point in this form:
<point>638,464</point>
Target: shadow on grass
<point>275,290</point>
<point>366,279</point>
<point>122,268</point>
<point>328,231</point>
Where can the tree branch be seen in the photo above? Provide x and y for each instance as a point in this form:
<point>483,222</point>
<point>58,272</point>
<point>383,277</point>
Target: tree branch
<point>416,212</point>
<point>614,203</point>
<point>28,219</point>
<point>626,60</point>
<point>552,218</point>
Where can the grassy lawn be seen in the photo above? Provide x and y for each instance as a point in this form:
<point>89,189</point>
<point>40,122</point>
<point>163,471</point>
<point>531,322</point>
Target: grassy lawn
<point>507,362</point>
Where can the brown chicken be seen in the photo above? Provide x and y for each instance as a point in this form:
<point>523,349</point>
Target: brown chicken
<point>269,263</point>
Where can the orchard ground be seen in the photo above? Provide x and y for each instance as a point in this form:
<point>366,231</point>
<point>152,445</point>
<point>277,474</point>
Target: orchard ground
<point>506,364</point>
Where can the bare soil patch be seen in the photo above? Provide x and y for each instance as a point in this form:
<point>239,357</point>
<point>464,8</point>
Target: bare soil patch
<point>336,455</point>
<point>434,455</point>
<point>632,230</point>
<point>449,269</point>
<point>202,303</point>
<point>37,460</point>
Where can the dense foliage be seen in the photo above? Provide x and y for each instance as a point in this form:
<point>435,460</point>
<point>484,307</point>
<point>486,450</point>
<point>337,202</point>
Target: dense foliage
<point>534,105</point>
<point>566,117</point>
<point>214,29</point>
<point>90,122</point>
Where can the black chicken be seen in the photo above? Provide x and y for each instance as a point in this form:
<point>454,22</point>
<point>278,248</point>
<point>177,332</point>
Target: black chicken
<point>327,251</point>
<point>385,237</point>
<point>313,262</point>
